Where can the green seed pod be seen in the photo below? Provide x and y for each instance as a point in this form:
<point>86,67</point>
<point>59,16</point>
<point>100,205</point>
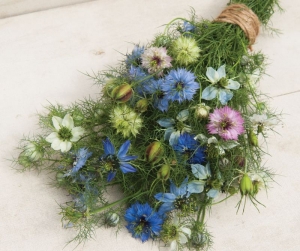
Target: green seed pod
<point>111,219</point>
<point>253,138</point>
<point>246,186</point>
<point>154,152</point>
<point>122,93</point>
<point>164,172</point>
<point>142,105</point>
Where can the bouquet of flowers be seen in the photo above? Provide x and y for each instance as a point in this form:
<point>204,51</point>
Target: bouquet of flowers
<point>178,127</point>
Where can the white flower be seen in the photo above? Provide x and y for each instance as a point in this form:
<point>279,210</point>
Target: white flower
<point>183,233</point>
<point>64,133</point>
<point>262,121</point>
<point>32,152</point>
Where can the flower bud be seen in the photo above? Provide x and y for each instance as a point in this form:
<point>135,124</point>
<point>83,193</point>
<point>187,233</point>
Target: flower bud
<point>202,111</point>
<point>154,152</point>
<point>253,138</point>
<point>111,219</point>
<point>122,93</point>
<point>164,172</point>
<point>142,105</point>
<point>246,186</point>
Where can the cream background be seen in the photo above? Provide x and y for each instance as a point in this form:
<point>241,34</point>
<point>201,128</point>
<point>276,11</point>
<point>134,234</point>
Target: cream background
<point>41,57</point>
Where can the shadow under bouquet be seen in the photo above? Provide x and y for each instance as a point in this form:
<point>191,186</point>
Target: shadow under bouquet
<point>179,126</point>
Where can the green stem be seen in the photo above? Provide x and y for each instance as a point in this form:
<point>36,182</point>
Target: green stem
<point>115,203</point>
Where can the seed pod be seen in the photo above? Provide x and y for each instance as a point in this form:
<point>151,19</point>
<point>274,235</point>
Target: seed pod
<point>253,138</point>
<point>246,186</point>
<point>164,172</point>
<point>154,152</point>
<point>122,93</point>
<point>142,105</point>
<point>111,219</point>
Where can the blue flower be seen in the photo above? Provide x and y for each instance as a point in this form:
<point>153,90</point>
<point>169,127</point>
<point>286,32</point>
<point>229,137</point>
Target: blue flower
<point>175,127</point>
<point>177,198</point>
<point>135,57</point>
<point>188,27</point>
<point>138,75</point>
<point>160,100</point>
<point>220,86</point>
<point>81,157</point>
<point>180,85</point>
<point>111,161</point>
<point>143,221</point>
<point>189,149</point>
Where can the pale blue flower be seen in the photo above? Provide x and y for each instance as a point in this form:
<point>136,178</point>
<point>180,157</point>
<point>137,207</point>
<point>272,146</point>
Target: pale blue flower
<point>220,86</point>
<point>174,128</point>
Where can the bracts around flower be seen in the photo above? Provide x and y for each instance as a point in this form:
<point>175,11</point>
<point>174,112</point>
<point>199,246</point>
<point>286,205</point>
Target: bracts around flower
<point>176,129</point>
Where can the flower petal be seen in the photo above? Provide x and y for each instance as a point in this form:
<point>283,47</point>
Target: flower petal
<point>233,85</point>
<point>56,122</point>
<point>51,137</point>
<point>212,193</point>
<point>183,115</point>
<point>221,71</point>
<point>127,168</point>
<point>111,175</point>
<point>56,144</point>
<point>169,132</point>
<point>225,96</point>
<point>124,149</point>
<point>166,122</point>
<point>173,246</point>
<point>212,75</point>
<point>201,172</point>
<point>165,197</point>
<point>209,93</point>
<point>108,147</point>
<point>65,146</point>
<point>196,186</point>
<point>68,121</point>
<point>174,138</point>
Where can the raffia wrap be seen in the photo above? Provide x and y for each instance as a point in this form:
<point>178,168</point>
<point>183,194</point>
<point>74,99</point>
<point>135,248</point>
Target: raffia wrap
<point>244,17</point>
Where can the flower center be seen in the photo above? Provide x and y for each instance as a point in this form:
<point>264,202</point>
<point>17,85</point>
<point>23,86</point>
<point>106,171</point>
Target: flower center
<point>142,226</point>
<point>179,86</point>
<point>223,82</point>
<point>181,202</point>
<point>111,162</point>
<point>65,133</point>
<point>226,124</point>
<point>155,61</point>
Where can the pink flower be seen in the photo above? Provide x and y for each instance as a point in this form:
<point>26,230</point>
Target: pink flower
<point>226,122</point>
<point>156,59</point>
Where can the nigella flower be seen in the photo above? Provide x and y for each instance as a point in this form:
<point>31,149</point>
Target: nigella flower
<point>156,59</point>
<point>65,133</point>
<point>185,50</point>
<point>154,87</point>
<point>226,122</point>
<point>189,149</point>
<point>111,161</point>
<point>135,57</point>
<point>143,221</point>
<point>81,157</point>
<point>177,198</point>
<point>220,86</point>
<point>175,127</point>
<point>138,75</point>
<point>188,27</point>
<point>180,85</point>
<point>126,120</point>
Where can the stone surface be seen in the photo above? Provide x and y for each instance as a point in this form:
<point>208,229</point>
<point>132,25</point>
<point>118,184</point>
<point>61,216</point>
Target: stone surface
<point>42,58</point>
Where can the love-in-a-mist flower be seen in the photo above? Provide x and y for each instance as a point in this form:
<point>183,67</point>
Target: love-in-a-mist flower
<point>180,85</point>
<point>33,152</point>
<point>156,59</point>
<point>143,221</point>
<point>262,121</point>
<point>141,79</point>
<point>185,50</point>
<point>82,156</point>
<point>126,120</point>
<point>176,233</point>
<point>65,133</point>
<point>135,57</point>
<point>174,128</point>
<point>226,122</point>
<point>154,87</point>
<point>112,161</point>
<point>189,150</point>
<point>220,86</point>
